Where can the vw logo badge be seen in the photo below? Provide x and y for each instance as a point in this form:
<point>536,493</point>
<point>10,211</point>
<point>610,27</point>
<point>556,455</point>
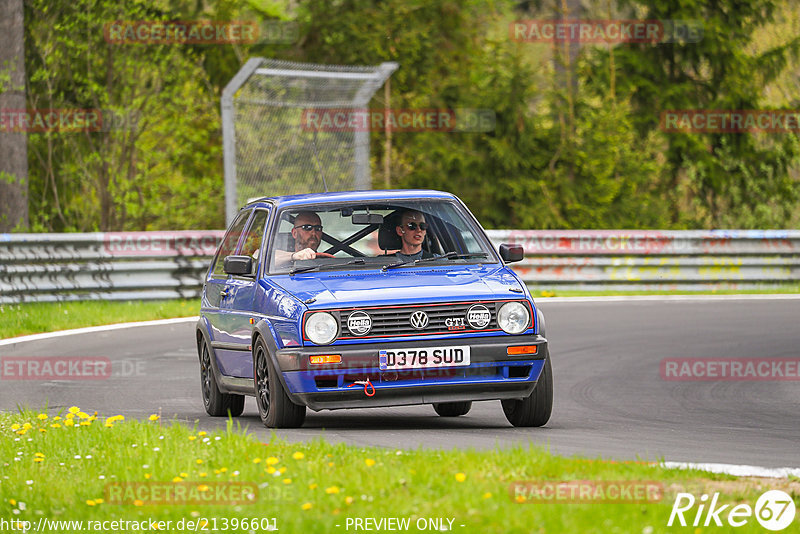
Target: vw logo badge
<point>359,323</point>
<point>479,316</point>
<point>419,320</point>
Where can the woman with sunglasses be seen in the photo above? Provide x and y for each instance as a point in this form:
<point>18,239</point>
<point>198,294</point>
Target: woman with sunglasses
<point>412,230</point>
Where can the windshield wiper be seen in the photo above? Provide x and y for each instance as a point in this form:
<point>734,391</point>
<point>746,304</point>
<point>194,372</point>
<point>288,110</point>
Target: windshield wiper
<point>307,268</point>
<point>448,256</point>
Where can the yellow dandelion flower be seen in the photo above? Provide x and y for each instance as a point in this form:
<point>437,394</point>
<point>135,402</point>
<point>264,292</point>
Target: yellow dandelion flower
<point>348,500</point>
<point>70,416</point>
<point>55,425</point>
<point>312,486</point>
<point>83,415</point>
<point>287,480</point>
<point>256,460</point>
<point>92,418</point>
<point>272,460</point>
<point>332,490</point>
<point>306,506</point>
<point>12,502</point>
<point>234,474</point>
<point>154,417</point>
<point>147,476</point>
<point>85,423</point>
<point>27,426</point>
<point>202,487</point>
<point>22,432</point>
<point>270,470</point>
<point>298,455</point>
<point>202,433</point>
<point>520,498</point>
<point>137,502</point>
<point>42,430</point>
<point>487,495</point>
<point>461,477</point>
<point>42,416</point>
<point>192,438</point>
<point>223,469</point>
<point>203,474</point>
<point>177,479</point>
<point>107,425</point>
<point>73,409</point>
<point>330,464</point>
<point>282,470</point>
<point>184,475</point>
<point>370,462</point>
<point>57,418</point>
<point>90,502</point>
<point>37,460</point>
<point>199,461</point>
<point>15,427</point>
<point>99,501</point>
<point>39,454</point>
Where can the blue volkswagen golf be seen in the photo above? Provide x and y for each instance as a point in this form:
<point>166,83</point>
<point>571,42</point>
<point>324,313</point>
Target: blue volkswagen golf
<point>364,299</point>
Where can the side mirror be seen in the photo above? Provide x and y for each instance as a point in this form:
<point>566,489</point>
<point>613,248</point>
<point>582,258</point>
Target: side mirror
<point>238,265</point>
<point>511,253</point>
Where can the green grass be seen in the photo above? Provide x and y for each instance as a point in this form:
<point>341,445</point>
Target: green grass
<point>36,317</point>
<point>312,487</point>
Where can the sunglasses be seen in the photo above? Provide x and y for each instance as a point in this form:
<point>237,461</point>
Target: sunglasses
<point>309,227</point>
<point>413,226</point>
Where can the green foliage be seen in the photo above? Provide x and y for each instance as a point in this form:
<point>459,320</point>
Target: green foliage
<point>588,154</point>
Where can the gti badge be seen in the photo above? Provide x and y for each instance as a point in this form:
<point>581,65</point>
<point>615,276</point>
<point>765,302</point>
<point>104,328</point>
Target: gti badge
<point>419,320</point>
<point>359,323</point>
<point>479,316</point>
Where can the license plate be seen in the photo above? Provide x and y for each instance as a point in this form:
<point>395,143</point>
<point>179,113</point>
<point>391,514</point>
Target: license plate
<point>424,357</point>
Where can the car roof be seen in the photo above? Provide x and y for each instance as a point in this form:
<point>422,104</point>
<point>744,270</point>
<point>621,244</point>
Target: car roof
<point>378,195</point>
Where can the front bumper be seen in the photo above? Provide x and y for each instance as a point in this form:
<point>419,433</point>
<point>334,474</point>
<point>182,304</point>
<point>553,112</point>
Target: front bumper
<point>492,374</point>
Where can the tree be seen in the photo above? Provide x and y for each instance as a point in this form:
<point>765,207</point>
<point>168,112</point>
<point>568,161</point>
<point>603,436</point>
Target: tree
<point>13,145</point>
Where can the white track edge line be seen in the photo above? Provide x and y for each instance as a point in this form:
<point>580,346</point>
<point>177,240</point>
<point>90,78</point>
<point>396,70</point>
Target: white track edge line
<point>737,470</point>
<point>661,298</point>
<point>93,329</point>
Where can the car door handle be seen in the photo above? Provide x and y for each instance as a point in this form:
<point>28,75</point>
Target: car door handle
<point>225,292</point>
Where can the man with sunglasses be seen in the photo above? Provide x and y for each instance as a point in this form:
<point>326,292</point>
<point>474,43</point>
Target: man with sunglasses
<point>412,231</point>
<point>307,234</point>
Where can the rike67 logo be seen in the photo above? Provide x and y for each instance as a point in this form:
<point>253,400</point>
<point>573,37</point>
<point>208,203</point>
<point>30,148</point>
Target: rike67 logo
<point>774,510</point>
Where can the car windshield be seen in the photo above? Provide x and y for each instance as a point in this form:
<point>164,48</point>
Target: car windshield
<point>371,235</point>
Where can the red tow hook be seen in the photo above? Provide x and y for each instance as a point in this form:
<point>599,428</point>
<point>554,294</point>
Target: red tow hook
<point>367,386</point>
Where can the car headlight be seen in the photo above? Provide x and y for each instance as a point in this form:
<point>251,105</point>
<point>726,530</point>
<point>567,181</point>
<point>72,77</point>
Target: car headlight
<point>321,328</point>
<point>513,317</point>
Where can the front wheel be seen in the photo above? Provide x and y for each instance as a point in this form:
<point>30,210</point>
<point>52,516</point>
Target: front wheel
<point>452,409</point>
<point>535,409</point>
<point>217,404</point>
<point>274,406</point>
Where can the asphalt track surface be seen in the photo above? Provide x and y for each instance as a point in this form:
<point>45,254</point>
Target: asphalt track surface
<point>610,399</point>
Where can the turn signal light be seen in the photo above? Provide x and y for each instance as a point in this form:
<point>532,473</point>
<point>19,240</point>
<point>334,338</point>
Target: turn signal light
<point>325,358</point>
<point>522,349</point>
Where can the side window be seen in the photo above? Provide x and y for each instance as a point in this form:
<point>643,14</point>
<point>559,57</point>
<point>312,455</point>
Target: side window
<point>254,235</point>
<point>228,245</point>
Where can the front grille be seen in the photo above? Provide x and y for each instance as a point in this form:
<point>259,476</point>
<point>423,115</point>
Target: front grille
<point>396,320</point>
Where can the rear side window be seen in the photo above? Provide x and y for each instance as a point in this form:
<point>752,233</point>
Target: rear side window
<point>228,245</point>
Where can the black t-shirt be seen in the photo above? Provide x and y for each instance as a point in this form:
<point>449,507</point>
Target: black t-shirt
<point>411,257</point>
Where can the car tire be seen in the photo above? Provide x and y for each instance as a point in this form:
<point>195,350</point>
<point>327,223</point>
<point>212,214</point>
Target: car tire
<point>217,404</point>
<point>274,406</point>
<point>452,409</point>
<point>535,409</point>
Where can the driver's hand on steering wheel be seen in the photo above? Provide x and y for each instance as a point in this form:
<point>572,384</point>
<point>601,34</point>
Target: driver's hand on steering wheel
<point>310,254</point>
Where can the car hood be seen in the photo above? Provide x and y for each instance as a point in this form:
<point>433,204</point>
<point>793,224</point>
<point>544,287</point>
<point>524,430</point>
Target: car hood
<point>401,286</point>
